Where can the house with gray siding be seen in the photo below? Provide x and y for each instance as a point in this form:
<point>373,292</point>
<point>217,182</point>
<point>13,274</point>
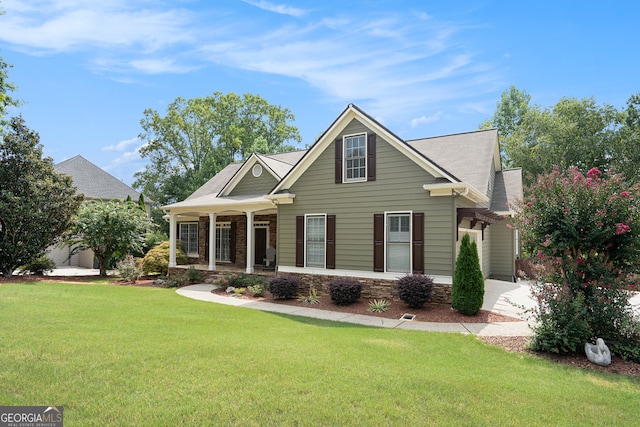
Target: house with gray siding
<point>361,202</point>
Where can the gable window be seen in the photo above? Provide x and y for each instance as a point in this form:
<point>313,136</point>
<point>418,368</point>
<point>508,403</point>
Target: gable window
<point>398,240</point>
<point>223,241</point>
<point>189,237</point>
<point>315,238</point>
<point>355,158</point>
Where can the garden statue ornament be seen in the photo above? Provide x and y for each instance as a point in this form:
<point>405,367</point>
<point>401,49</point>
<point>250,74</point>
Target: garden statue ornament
<point>598,353</point>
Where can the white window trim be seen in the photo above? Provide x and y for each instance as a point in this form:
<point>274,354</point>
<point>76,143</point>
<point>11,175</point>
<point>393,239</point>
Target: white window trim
<point>386,215</point>
<point>306,230</point>
<point>344,158</point>
<point>220,226</point>
<point>191,254</point>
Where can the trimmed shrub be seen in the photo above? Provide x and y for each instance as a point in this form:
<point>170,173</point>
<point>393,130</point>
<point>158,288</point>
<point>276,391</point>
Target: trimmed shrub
<point>415,289</point>
<point>467,290</point>
<point>284,287</point>
<point>344,291</point>
<point>157,259</point>
<point>39,266</point>
<point>194,275</point>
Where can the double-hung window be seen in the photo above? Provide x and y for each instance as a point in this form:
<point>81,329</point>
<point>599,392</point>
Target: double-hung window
<point>189,237</point>
<point>315,240</point>
<point>223,241</point>
<point>398,240</point>
<point>355,157</point>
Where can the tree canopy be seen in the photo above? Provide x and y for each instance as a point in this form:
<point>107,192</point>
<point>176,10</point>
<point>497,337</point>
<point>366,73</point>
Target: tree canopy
<point>198,137</point>
<point>36,204</point>
<point>572,133</point>
<point>114,228</point>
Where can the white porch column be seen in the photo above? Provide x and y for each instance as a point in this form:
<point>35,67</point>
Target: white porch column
<point>172,240</point>
<point>212,241</point>
<point>250,243</point>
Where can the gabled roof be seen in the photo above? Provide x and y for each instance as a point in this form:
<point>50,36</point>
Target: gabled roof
<point>279,163</point>
<point>94,182</point>
<point>507,189</point>
<point>350,113</point>
<point>277,167</point>
<point>468,155</point>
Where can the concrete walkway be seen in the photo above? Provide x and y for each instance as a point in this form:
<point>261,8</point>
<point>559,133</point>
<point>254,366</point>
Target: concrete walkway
<point>500,297</point>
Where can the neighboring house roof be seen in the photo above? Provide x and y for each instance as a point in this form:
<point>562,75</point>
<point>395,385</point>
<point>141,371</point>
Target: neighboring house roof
<point>94,182</point>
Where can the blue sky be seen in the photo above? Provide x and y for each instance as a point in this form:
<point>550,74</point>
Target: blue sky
<point>87,69</point>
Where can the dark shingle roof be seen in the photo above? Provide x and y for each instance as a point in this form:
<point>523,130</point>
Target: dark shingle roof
<point>507,189</point>
<point>468,156</point>
<point>93,182</point>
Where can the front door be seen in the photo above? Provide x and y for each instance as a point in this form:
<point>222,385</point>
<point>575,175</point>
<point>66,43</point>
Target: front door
<point>260,245</point>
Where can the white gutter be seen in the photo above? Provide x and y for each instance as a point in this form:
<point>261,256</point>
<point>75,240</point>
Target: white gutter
<point>459,188</point>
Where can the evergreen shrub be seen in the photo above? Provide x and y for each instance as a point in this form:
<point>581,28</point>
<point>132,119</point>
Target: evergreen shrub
<point>467,290</point>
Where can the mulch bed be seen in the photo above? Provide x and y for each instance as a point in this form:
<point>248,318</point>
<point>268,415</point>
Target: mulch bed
<point>429,313</point>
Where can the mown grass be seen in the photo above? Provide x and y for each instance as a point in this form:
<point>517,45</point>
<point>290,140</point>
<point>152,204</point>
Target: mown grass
<point>115,355</point>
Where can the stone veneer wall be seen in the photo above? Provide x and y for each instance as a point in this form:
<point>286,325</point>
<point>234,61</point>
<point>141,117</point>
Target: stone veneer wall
<point>371,288</point>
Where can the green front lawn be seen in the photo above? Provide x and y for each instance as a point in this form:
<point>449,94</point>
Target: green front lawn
<point>116,355</point>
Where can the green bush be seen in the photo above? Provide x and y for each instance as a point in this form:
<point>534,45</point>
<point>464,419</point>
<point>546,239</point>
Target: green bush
<point>284,287</point>
<point>176,280</point>
<point>194,275</point>
<point>257,290</point>
<point>344,291</point>
<point>39,266</point>
<point>157,259</point>
<point>415,289</point>
<point>467,290</point>
<point>128,269</point>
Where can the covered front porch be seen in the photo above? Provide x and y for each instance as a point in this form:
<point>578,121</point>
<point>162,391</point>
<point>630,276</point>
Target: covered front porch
<point>230,234</point>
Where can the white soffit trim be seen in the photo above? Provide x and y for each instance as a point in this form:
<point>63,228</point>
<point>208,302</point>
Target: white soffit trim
<point>350,113</point>
<point>281,198</point>
<point>460,188</point>
<point>243,171</point>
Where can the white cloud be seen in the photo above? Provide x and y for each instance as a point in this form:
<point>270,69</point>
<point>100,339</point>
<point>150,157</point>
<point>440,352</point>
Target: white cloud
<point>123,145</point>
<point>425,119</point>
<point>46,27</point>
<point>282,9</point>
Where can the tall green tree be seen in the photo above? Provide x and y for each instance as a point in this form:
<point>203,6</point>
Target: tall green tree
<point>109,229</point>
<point>198,137</point>
<point>36,204</point>
<point>571,133</point>
<point>467,289</point>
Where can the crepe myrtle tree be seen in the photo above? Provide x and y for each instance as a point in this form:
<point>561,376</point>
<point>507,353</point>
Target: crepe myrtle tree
<point>109,229</point>
<point>587,230</point>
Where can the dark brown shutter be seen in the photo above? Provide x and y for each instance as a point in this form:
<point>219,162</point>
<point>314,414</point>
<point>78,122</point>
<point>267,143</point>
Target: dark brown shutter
<point>378,242</point>
<point>371,157</point>
<point>232,242</point>
<point>338,147</point>
<point>417,242</point>
<point>331,242</point>
<point>300,241</point>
